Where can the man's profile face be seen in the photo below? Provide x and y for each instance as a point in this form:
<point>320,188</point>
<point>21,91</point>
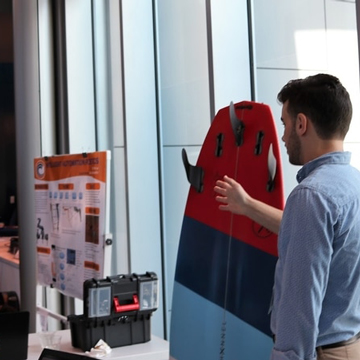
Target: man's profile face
<point>290,137</point>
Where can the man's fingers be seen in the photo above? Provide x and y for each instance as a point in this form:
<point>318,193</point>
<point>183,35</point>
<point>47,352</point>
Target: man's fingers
<point>219,190</point>
<point>229,180</point>
<point>220,183</point>
<point>223,207</point>
<point>221,199</point>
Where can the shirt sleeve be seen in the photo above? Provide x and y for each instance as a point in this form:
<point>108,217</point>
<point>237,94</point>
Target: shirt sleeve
<point>305,249</point>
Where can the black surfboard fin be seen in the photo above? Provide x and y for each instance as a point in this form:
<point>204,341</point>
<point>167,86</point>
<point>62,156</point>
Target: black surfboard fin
<point>259,140</point>
<point>195,174</point>
<point>219,145</point>
<point>237,125</point>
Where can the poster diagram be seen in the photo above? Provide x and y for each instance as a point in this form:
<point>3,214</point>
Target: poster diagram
<point>71,206</point>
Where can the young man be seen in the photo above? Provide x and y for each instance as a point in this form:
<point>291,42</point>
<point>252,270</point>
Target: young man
<point>316,307</point>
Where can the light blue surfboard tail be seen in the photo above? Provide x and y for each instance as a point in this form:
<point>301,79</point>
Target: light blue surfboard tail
<point>195,334</point>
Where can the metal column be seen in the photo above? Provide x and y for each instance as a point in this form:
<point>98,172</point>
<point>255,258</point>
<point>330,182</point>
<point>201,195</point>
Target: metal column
<point>358,24</point>
<point>27,115</point>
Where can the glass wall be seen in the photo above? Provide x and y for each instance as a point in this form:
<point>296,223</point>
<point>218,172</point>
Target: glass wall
<point>203,65</point>
<point>146,77</point>
<point>295,42</point>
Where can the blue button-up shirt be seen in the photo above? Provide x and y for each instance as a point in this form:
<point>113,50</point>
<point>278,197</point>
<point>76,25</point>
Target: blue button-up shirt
<point>317,278</point>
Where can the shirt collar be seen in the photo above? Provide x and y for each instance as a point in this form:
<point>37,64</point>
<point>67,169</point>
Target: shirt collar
<point>341,157</point>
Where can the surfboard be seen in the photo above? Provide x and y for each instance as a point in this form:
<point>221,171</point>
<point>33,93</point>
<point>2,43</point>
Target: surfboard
<point>225,264</point>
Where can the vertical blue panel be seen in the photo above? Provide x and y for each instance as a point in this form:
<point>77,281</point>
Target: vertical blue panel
<point>80,76</point>
<point>142,143</point>
<point>184,110</point>
<point>231,53</point>
<point>183,71</point>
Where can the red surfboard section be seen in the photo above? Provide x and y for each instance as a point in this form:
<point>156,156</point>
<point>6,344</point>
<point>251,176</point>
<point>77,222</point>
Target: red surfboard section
<point>241,143</point>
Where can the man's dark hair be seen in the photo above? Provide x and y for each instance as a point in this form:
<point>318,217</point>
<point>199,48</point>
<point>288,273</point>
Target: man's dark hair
<point>324,100</point>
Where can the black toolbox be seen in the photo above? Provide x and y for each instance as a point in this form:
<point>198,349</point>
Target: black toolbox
<point>117,309</point>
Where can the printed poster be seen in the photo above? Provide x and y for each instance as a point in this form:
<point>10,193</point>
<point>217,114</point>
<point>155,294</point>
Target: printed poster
<point>70,196</point>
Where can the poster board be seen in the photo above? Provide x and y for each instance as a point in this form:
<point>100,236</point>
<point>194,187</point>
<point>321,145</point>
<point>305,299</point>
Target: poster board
<point>72,214</point>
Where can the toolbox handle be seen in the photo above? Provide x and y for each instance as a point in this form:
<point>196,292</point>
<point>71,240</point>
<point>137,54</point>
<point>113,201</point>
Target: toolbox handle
<point>127,307</point>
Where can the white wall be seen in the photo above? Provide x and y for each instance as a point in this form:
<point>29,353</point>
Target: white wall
<point>302,38</point>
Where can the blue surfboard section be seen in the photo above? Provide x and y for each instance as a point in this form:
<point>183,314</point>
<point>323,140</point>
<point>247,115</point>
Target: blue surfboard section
<point>198,331</point>
<point>223,287</point>
<point>227,272</point>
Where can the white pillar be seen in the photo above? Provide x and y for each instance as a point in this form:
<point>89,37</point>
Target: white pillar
<point>27,115</point>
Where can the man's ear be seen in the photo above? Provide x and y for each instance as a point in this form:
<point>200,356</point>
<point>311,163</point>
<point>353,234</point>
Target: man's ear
<point>301,124</point>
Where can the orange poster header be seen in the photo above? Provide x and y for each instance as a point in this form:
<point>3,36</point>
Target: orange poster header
<point>66,186</point>
<point>43,250</point>
<point>91,265</point>
<point>92,210</point>
<point>41,186</point>
<point>66,166</point>
<point>92,186</point>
